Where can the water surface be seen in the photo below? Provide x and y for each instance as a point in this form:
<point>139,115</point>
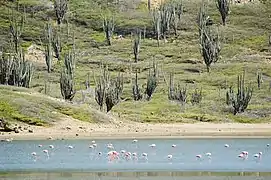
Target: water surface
<point>16,155</point>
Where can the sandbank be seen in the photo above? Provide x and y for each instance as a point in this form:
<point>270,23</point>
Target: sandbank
<point>74,129</point>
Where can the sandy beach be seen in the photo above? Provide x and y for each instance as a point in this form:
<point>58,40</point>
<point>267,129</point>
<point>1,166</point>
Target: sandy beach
<point>74,129</point>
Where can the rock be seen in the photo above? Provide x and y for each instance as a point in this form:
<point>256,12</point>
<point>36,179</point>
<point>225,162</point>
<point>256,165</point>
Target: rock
<point>30,131</point>
<point>68,128</point>
<point>77,134</point>
<point>25,128</point>
<point>16,130</point>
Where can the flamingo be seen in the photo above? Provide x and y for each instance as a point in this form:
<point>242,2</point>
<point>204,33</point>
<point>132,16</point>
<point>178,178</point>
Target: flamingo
<point>34,154</point>
<point>208,154</point>
<point>91,147</point>
<point>226,145</point>
<point>145,156</point>
<point>173,145</point>
<point>100,153</point>
<point>199,156</point>
<point>128,156</point>
<point>152,145</point>
<point>110,146</point>
<point>134,156</point>
<point>258,155</point>
<point>94,145</point>
<point>51,146</point>
<point>46,152</point>
<point>135,141</point>
<point>93,142</point>
<point>267,145</point>
<point>40,145</point>
<point>70,147</point>
<point>169,157</point>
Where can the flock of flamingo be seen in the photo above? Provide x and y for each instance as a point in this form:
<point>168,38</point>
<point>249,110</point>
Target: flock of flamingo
<point>114,155</point>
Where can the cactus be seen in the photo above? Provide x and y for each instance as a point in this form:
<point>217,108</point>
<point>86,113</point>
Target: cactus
<point>209,41</point>
<point>16,28</point>
<point>48,46</point>
<point>108,91</point>
<point>157,25</point>
<point>56,44</point>
<point>113,93</point>
<point>136,90</point>
<point>108,27</point>
<point>67,77</point>
<point>61,8</point>
<point>259,79</point>
<point>149,5</point>
<point>166,18</point>
<point>223,7</point>
<point>136,46</point>
<point>176,12</point>
<point>176,93</point>
<point>196,97</point>
<point>15,70</point>
<point>241,99</point>
<point>152,81</point>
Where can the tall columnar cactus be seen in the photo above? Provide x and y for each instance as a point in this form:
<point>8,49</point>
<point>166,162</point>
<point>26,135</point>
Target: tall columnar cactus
<point>61,8</point>
<point>16,26</point>
<point>176,93</point>
<point>157,25</point>
<point>48,46</point>
<point>223,7</point>
<point>108,27</point>
<point>101,87</point>
<point>108,91</point>
<point>176,13</point>
<point>152,81</point>
<point>113,93</point>
<point>259,79</point>
<point>239,100</point>
<point>136,89</point>
<point>15,70</point>
<point>136,46</point>
<point>196,97</point>
<point>166,18</point>
<point>56,44</point>
<point>149,5</point>
<point>67,77</point>
<point>208,39</point>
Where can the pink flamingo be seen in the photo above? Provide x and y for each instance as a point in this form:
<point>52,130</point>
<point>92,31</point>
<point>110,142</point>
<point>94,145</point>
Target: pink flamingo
<point>113,155</point>
<point>173,145</point>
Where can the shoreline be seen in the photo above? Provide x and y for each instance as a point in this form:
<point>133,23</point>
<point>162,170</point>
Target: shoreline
<point>133,130</point>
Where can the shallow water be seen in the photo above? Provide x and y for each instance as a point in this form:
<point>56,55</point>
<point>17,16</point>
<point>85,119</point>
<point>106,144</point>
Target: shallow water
<point>16,155</point>
<point>135,176</point>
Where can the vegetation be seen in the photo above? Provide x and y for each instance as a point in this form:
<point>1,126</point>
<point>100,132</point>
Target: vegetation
<point>241,99</point>
<point>140,91</point>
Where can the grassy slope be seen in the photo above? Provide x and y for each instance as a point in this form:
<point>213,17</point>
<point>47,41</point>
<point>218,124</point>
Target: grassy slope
<point>244,38</point>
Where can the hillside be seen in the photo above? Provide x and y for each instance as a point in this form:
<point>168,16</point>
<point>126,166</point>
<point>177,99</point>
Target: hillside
<point>244,47</point>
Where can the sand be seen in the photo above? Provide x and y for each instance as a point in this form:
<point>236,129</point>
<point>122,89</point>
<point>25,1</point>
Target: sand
<point>75,129</point>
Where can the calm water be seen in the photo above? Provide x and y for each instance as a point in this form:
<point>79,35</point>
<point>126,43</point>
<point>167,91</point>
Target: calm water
<point>16,155</point>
